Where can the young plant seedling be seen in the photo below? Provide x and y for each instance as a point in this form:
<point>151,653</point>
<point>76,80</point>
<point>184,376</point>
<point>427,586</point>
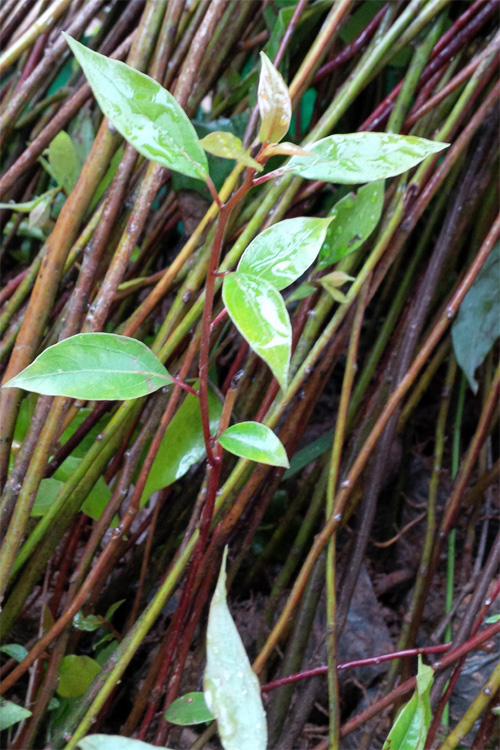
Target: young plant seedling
<point>104,366</point>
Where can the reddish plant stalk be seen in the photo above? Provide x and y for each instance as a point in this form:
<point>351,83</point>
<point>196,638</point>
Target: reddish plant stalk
<point>439,649</point>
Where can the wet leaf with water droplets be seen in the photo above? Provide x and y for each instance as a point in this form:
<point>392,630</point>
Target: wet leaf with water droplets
<point>232,690</point>
<point>146,114</point>
<point>94,367</point>
<point>257,310</point>
<point>275,106</point>
<point>284,251</point>
<point>362,157</point>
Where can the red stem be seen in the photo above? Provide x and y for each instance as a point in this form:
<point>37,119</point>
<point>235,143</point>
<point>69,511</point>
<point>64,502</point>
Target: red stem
<point>439,649</point>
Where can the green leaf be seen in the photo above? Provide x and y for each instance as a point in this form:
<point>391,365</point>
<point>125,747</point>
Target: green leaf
<point>229,146</point>
<point>302,292</point>
<point>354,218</point>
<point>232,690</point>
<point>256,442</point>
<point>76,674</point>
<point>11,713</point>
<point>182,445</point>
<point>112,609</point>
<point>63,161</point>
<point>493,618</point>
<point>477,325</point>
<point>112,742</point>
<point>189,709</point>
<point>94,366</point>
<point>362,157</point>
<point>275,106</point>
<point>26,208</point>
<point>14,650</point>
<point>88,624</point>
<point>409,731</point>
<point>96,500</point>
<point>309,453</point>
<point>47,492</point>
<point>257,310</point>
<point>284,251</point>
<point>146,114</point>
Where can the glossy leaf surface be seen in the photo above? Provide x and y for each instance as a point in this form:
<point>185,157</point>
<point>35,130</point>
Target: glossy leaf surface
<point>182,445</point>
<point>94,366</point>
<point>354,218</point>
<point>63,161</point>
<point>229,146</point>
<point>362,157</point>
<point>257,310</point>
<point>75,675</point>
<point>477,325</point>
<point>189,709</point>
<point>232,690</point>
<point>409,731</point>
<point>146,114</point>
<point>274,102</point>
<point>256,442</point>
<point>11,713</point>
<point>112,742</point>
<point>284,251</point>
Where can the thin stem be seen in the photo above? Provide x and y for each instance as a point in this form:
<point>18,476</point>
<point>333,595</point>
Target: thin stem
<point>338,442</point>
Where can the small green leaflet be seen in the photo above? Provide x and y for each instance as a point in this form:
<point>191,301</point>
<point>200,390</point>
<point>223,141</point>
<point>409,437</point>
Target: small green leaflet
<point>477,325</point>
<point>274,102</point>
<point>94,367</point>
<point>256,442</point>
<point>189,709</point>
<point>26,208</point>
<point>229,146</point>
<point>88,623</point>
<point>63,161</point>
<point>492,619</point>
<point>11,713</point>
<point>362,157</point>
<point>232,690</point>
<point>14,650</point>
<point>409,731</point>
<point>76,674</point>
<point>113,742</point>
<point>182,445</point>
<point>257,310</point>
<point>353,219</point>
<point>146,114</point>
<point>284,251</point>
